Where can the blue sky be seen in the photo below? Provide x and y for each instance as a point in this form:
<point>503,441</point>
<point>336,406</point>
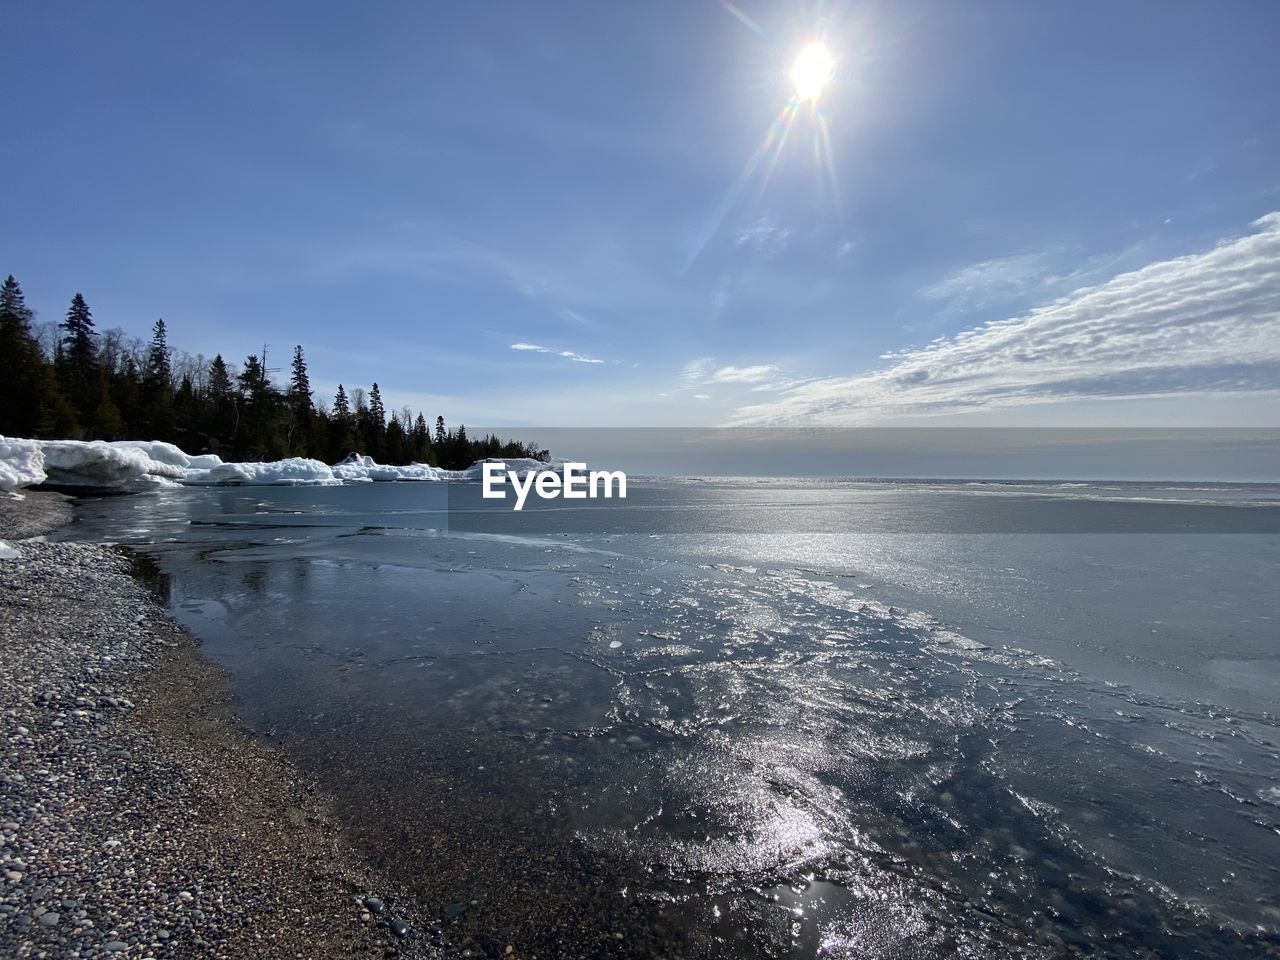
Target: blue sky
<point>1022,213</point>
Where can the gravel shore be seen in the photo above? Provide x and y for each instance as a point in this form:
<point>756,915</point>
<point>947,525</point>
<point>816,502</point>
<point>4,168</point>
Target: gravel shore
<point>138,818</point>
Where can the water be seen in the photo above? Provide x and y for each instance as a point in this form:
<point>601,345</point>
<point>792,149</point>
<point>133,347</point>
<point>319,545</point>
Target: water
<point>764,744</point>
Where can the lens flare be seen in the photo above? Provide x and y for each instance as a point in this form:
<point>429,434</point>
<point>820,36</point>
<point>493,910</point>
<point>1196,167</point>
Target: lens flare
<point>813,69</point>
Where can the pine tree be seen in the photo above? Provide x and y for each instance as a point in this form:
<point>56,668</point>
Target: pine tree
<point>126,394</point>
<point>421,440</point>
<point>375,432</point>
<point>397,448</point>
<point>300,388</point>
<point>301,406</point>
<point>30,405</point>
<point>79,350</point>
<point>341,434</point>
<point>441,436</point>
<point>219,380</point>
<point>252,380</point>
<point>220,419</point>
<point>78,360</point>
<point>159,372</point>
<point>157,386</point>
<point>377,412</point>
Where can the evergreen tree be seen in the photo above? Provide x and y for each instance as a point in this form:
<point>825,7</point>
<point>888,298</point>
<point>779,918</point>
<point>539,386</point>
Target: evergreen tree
<point>341,427</point>
<point>186,418</point>
<point>116,386</point>
<point>77,369</point>
<point>219,379</point>
<point>300,387</point>
<point>107,424</point>
<point>220,417</point>
<point>254,434</point>
<point>301,407</point>
<point>30,405</point>
<point>377,412</point>
<point>397,446</point>
<point>375,431</point>
<point>79,350</point>
<point>421,440</point>
<point>126,394</point>
<point>157,386</point>
<point>159,372</point>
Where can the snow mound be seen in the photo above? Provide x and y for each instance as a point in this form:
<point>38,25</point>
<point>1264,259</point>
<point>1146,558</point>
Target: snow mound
<point>290,472</point>
<point>357,468</point>
<point>21,464</point>
<point>103,465</point>
<point>518,465</point>
<point>140,465</point>
<point>8,552</point>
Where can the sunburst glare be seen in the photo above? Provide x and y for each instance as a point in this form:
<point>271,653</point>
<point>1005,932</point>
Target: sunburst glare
<point>813,70</point>
<point>812,74</point>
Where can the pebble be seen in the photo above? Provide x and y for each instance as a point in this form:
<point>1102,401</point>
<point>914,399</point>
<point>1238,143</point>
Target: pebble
<point>83,781</point>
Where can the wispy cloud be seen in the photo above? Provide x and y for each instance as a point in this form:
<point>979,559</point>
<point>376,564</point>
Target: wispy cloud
<point>754,374</point>
<point>696,371</point>
<point>567,354</point>
<point>760,377</point>
<point>999,277</point>
<point>1207,323</point>
<point>765,238</point>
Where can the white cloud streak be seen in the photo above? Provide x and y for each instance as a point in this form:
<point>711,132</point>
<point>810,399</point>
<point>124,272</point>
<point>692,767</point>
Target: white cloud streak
<point>1203,324</point>
<point>567,354</point>
<point>755,374</point>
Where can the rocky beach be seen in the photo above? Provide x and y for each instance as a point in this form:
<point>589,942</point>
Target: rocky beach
<point>139,818</point>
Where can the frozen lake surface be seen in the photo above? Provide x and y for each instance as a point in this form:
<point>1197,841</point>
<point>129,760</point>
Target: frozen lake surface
<point>823,727</point>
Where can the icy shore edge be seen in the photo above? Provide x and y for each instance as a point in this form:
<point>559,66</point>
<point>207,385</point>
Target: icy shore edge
<point>140,465</point>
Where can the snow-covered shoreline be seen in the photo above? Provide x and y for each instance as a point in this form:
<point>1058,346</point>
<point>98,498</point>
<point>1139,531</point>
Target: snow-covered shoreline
<point>141,465</point>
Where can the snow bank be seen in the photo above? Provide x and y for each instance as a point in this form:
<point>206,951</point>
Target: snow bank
<point>102,465</point>
<point>21,464</point>
<point>136,465</point>
<point>357,468</point>
<point>518,465</point>
<point>290,472</point>
<point>99,464</point>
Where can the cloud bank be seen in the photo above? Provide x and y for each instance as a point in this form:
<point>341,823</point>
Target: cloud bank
<point>1208,323</point>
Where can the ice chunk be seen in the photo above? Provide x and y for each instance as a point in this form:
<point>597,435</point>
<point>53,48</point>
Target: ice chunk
<point>163,452</point>
<point>103,465</point>
<point>518,465</point>
<point>21,464</point>
<point>8,552</point>
<point>290,472</point>
<point>139,465</point>
<point>361,468</point>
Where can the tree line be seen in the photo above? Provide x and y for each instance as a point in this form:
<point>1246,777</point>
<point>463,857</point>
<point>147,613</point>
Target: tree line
<point>82,384</point>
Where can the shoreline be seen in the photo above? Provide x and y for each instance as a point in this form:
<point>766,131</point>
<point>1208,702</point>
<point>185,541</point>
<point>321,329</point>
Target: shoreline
<point>139,817</point>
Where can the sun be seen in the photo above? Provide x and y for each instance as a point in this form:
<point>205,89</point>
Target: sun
<point>813,69</point>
